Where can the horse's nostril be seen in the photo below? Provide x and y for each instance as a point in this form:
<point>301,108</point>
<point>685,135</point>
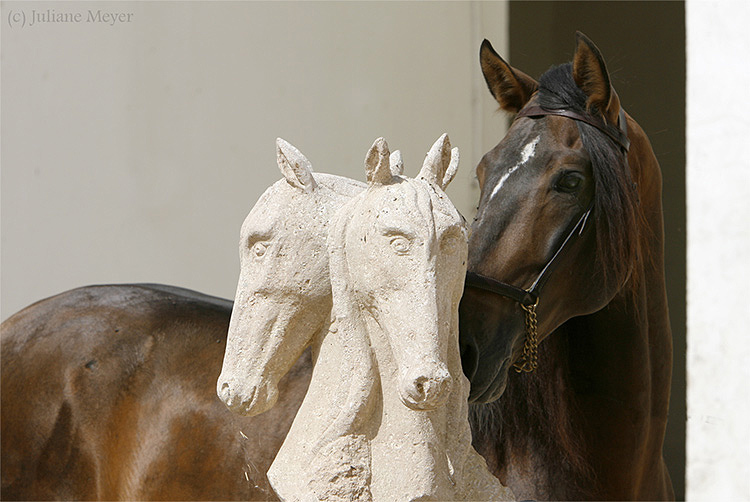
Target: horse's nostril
<point>469,359</point>
<point>224,392</point>
<point>428,389</point>
<point>420,388</point>
<point>423,389</point>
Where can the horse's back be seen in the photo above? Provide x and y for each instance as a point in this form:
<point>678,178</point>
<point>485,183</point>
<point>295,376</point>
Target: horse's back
<point>108,392</point>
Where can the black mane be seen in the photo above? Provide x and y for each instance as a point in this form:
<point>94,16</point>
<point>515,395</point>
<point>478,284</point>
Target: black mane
<point>615,195</point>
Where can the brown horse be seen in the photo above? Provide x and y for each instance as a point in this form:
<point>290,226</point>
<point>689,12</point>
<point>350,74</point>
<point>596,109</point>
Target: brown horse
<point>567,249</point>
<point>108,393</point>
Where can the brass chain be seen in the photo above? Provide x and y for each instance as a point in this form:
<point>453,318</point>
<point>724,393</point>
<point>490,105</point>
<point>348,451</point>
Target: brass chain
<point>528,360</point>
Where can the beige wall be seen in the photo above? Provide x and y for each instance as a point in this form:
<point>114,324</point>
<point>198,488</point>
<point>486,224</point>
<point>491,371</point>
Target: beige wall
<point>718,397</point>
<point>132,152</point>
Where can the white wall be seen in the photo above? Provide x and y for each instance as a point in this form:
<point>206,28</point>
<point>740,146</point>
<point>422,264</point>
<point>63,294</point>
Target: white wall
<point>132,152</point>
<point>718,184</point>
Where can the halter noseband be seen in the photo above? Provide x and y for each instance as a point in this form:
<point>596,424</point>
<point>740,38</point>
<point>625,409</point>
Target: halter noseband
<point>529,298</point>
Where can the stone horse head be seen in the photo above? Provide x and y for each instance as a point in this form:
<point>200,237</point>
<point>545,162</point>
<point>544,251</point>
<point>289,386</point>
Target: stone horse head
<point>398,251</point>
<point>385,417</point>
<point>284,293</point>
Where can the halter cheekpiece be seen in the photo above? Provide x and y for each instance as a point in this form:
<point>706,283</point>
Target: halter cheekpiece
<point>529,298</point>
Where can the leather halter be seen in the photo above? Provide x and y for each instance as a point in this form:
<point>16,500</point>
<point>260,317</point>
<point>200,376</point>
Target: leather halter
<point>619,136</point>
<point>529,298</point>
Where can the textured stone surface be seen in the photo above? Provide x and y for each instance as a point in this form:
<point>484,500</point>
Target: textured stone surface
<point>385,417</point>
<point>283,295</point>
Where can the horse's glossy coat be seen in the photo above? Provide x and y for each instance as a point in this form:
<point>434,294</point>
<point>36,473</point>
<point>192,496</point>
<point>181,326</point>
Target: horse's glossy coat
<point>589,423</point>
<point>108,394</point>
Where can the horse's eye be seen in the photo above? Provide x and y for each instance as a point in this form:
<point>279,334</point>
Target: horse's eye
<point>569,182</point>
<point>400,244</point>
<point>259,249</point>
<point>451,241</point>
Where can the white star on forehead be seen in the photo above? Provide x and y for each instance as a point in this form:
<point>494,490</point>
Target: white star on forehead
<point>526,154</point>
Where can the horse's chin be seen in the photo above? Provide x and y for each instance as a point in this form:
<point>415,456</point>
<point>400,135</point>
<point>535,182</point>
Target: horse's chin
<point>417,405</point>
<point>487,391</point>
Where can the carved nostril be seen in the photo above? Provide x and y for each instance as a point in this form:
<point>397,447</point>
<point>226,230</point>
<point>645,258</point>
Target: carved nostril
<point>224,392</point>
<point>428,392</point>
<point>442,383</point>
<point>419,386</point>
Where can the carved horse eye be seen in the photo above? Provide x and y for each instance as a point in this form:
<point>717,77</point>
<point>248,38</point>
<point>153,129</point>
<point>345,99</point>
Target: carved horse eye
<point>259,249</point>
<point>569,182</point>
<point>400,244</point>
<point>450,243</point>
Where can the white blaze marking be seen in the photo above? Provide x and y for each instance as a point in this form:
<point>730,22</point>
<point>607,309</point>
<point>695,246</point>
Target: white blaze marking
<point>526,154</point>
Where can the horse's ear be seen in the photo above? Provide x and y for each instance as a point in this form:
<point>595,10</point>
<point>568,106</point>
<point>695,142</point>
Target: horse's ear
<point>511,88</point>
<point>397,163</point>
<point>441,163</point>
<point>294,166</point>
<point>377,163</point>
<point>450,173</point>
<point>591,75</point>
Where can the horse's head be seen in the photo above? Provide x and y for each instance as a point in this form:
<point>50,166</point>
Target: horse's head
<point>556,217</point>
<point>284,291</point>
<point>400,249</point>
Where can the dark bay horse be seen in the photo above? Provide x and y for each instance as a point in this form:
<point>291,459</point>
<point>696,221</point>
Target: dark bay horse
<point>566,253</point>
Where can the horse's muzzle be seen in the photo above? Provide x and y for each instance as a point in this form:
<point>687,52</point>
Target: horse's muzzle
<point>249,402</point>
<point>425,390</point>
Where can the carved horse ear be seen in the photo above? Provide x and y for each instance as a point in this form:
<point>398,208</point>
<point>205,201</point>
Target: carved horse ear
<point>377,163</point>
<point>397,163</point>
<point>590,74</point>
<point>440,164</point>
<point>294,166</point>
<point>450,173</point>
<point>511,88</point>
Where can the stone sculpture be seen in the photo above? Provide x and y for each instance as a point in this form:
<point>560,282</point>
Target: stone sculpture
<point>283,299</point>
<point>385,417</point>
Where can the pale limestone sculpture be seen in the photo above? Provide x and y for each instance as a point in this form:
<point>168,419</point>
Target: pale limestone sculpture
<point>283,298</point>
<point>385,417</point>
<point>354,437</point>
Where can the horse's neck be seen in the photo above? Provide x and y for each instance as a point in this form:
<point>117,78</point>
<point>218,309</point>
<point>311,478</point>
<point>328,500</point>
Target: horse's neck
<point>599,399</point>
<point>620,361</point>
<point>620,371</point>
<point>532,424</point>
